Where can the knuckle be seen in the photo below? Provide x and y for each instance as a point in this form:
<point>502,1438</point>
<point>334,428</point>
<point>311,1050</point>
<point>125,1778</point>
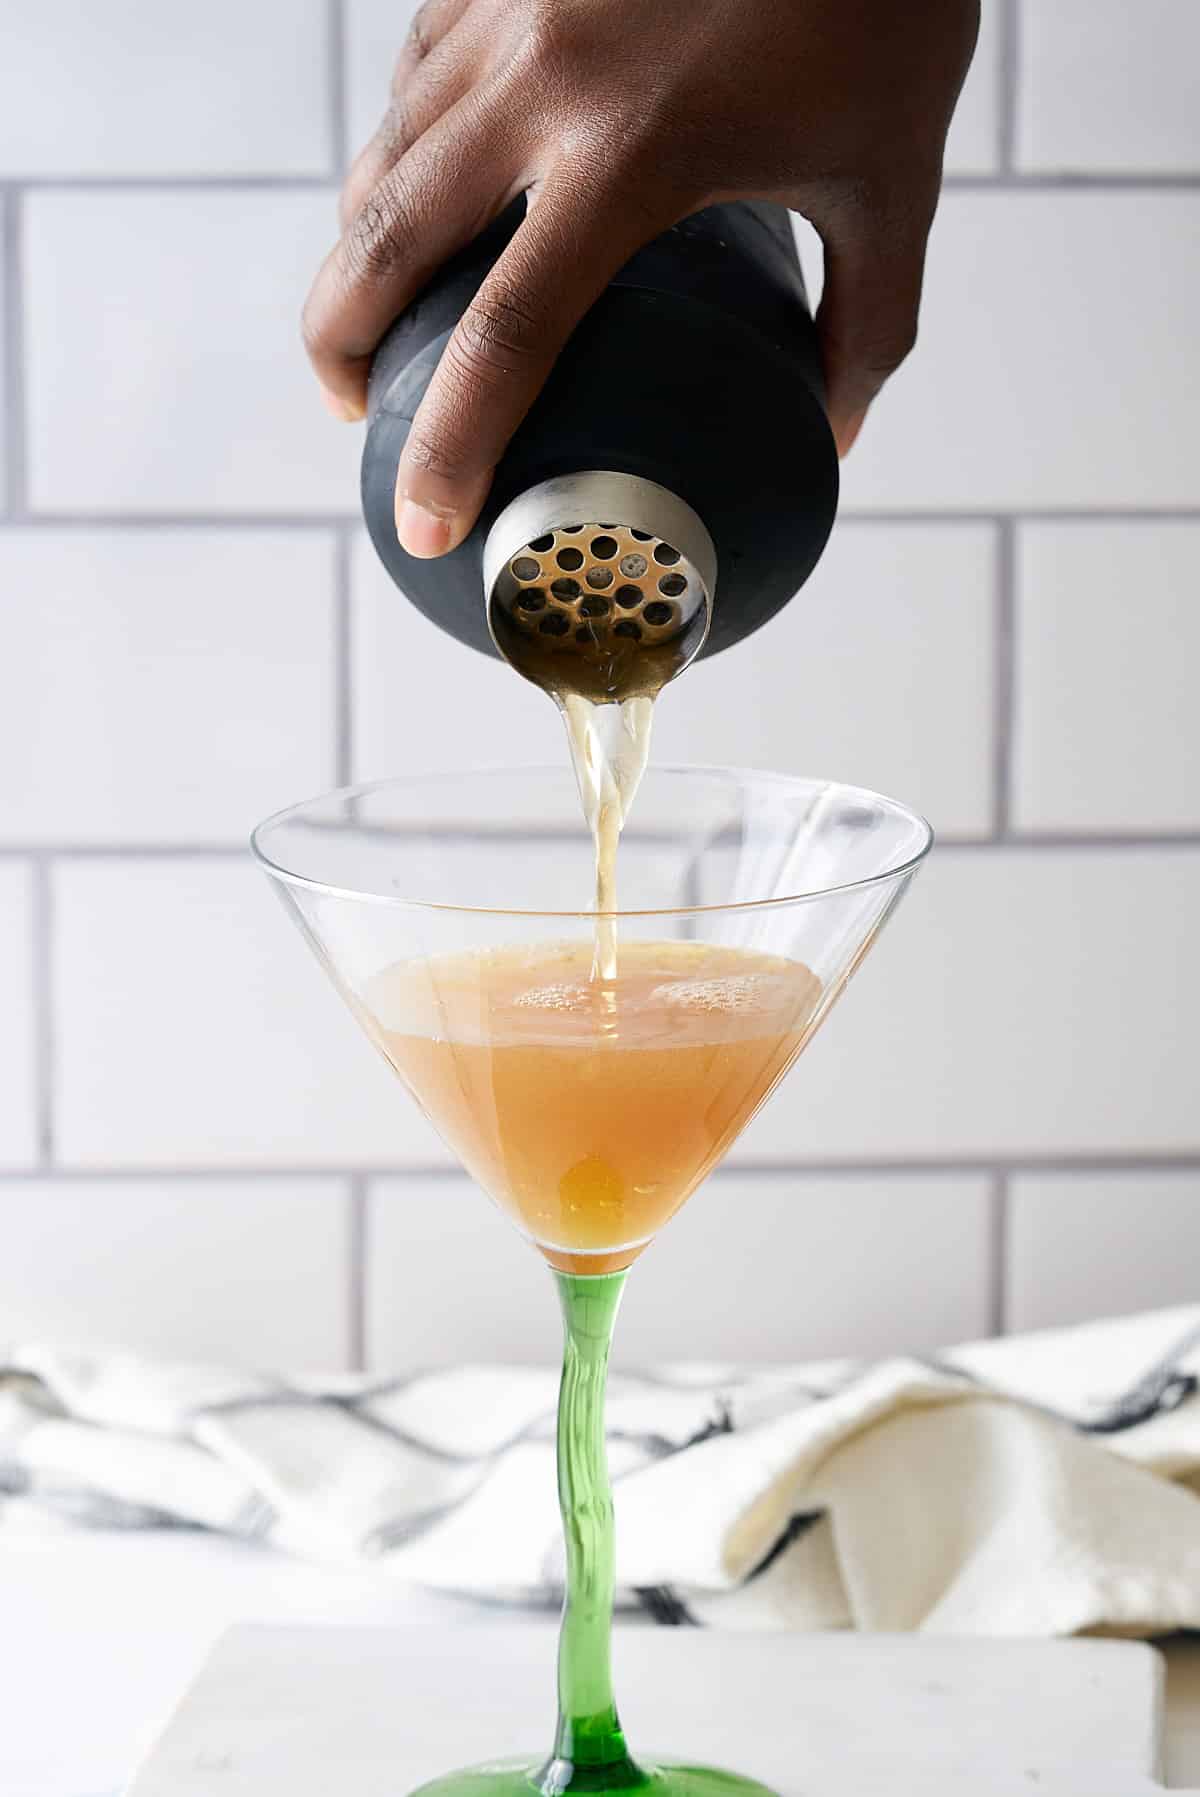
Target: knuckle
<point>395,132</point>
<point>419,41</point>
<point>379,235</point>
<point>548,36</point>
<point>901,340</point>
<point>497,332</point>
<point>436,454</point>
<point>882,355</point>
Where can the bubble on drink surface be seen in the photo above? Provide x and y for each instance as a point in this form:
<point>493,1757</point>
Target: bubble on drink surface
<point>564,995</point>
<point>734,993</point>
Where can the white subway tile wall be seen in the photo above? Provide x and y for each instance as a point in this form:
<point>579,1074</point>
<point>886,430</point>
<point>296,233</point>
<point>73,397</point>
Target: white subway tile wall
<point>171,379</point>
<point>975,145</point>
<point>1000,1126</point>
<point>129,88</point>
<point>180,1267</point>
<point>376,31</point>
<point>883,676</point>
<point>194,1029</point>
<point>1108,651</point>
<point>10,325</point>
<point>20,1026</point>
<point>402,668</point>
<point>166,685</point>
<point>780,1265</point>
<point>447,1277</point>
<point>1022,1002</point>
<point>1095,1244</point>
<point>758,1266</point>
<point>1057,367</point>
<point>1108,88</point>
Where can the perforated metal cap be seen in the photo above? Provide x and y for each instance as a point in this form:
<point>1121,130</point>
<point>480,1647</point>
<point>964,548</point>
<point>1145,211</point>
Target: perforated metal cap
<point>599,583</point>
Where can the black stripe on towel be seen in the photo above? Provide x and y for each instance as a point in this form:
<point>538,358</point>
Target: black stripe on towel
<point>1164,1388</point>
<point>665,1606</point>
<point>796,1525</point>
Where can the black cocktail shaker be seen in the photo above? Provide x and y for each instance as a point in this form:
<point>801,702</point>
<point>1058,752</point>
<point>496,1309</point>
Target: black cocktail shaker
<point>674,483</point>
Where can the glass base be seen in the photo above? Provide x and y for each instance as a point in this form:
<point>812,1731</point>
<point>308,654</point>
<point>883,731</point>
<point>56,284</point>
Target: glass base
<point>524,1778</point>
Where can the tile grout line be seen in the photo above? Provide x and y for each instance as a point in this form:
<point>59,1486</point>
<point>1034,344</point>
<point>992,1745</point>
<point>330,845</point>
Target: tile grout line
<point>1004,678</point>
<point>1007,181</point>
<point>343,678</point>
<point>12,356</point>
<point>1083,181</point>
<point>917,1167</point>
<point>230,182</point>
<point>44,1044</point>
<point>1016,841</point>
<point>1008,79</point>
<point>308,521</point>
<point>359,1229</point>
<point>335,56</point>
<point>998,1224</point>
<point>915,517</point>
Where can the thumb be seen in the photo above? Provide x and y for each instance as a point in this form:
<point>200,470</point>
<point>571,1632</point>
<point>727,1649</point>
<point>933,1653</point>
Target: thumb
<point>867,319</point>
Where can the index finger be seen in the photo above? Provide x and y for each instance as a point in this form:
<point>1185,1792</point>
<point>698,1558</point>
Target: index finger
<point>556,265</point>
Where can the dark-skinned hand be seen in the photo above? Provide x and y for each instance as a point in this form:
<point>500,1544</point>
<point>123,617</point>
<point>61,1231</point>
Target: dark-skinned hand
<point>617,118</point>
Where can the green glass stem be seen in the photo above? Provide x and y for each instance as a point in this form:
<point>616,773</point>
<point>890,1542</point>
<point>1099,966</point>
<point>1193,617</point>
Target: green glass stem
<point>589,1748</point>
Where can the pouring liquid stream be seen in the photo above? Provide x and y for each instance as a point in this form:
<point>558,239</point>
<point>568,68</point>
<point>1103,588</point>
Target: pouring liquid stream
<point>610,745</point>
<point>601,616</point>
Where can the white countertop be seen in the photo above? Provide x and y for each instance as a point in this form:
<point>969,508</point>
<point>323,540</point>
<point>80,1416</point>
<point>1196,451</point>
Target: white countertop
<point>100,1634</point>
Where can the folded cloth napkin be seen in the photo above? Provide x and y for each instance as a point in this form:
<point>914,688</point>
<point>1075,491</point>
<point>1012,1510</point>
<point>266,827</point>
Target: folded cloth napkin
<point>1037,1485</point>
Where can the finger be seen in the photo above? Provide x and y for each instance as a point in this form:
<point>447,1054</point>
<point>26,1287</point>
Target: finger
<point>436,83</point>
<point>456,179</point>
<point>502,350</point>
<point>867,319</point>
<point>428,26</point>
<point>405,121</point>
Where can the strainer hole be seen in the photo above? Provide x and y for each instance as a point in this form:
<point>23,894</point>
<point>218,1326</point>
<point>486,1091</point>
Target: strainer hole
<point>603,547</point>
<point>659,612</point>
<point>599,577</point>
<point>633,566</point>
<point>541,544</point>
<point>672,585</point>
<point>628,596</point>
<point>665,554</point>
<point>571,530</point>
<point>531,599</point>
<point>596,606</point>
<point>643,536</point>
<point>569,558</point>
<point>555,623</point>
<point>628,627</point>
<point>525,568</point>
<point>565,589</point>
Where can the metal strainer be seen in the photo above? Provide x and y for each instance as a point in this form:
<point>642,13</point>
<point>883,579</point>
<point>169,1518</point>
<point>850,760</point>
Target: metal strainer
<point>600,584</point>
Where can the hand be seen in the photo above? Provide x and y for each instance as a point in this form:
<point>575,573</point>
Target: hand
<point>617,118</point>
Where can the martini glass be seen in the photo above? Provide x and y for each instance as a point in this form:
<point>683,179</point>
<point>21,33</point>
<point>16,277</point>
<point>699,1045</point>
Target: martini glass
<point>445,908</point>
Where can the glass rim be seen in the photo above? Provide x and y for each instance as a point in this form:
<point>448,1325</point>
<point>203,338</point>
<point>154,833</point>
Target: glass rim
<point>289,877</point>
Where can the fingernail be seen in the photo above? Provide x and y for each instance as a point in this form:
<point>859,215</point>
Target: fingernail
<point>422,532</point>
<point>348,411</point>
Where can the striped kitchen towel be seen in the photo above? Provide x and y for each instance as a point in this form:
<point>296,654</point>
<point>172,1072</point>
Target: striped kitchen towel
<point>1037,1485</point>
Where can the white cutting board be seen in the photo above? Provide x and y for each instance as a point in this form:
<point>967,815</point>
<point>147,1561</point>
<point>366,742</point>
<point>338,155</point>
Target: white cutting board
<point>372,1712</point>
